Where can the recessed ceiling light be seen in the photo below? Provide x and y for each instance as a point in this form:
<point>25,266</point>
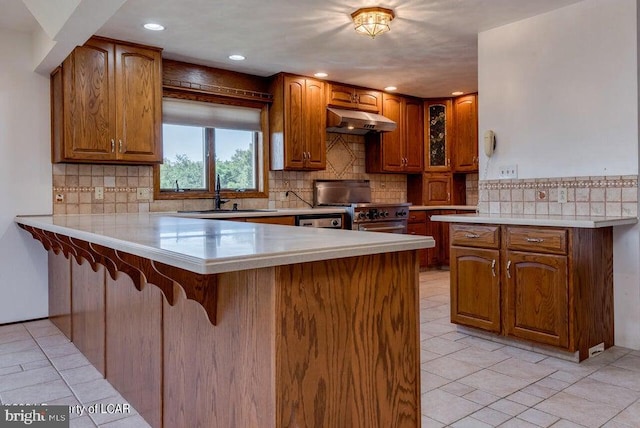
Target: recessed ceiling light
<point>153,27</point>
<point>321,74</point>
<point>456,93</point>
<point>236,57</point>
<point>390,88</point>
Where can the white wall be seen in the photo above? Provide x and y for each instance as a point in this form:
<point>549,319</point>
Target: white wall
<point>561,92</point>
<point>25,178</point>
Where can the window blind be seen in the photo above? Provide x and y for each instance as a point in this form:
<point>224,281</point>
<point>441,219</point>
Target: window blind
<point>196,113</point>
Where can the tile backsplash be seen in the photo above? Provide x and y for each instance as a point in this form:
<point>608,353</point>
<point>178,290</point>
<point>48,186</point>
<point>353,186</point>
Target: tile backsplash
<point>74,185</point>
<point>595,195</point>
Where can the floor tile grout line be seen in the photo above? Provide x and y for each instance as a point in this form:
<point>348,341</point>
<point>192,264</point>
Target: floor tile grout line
<point>73,392</point>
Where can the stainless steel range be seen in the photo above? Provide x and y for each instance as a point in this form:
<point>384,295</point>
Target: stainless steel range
<point>362,213</point>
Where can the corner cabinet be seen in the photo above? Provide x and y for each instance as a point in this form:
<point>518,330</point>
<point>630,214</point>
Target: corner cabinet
<point>550,286</point>
<point>465,110</point>
<point>399,151</point>
<point>107,104</point>
<point>438,115</point>
<point>297,122</point>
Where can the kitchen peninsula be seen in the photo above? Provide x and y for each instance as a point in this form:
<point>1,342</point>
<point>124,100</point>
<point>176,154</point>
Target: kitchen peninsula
<point>543,280</point>
<point>206,322</point>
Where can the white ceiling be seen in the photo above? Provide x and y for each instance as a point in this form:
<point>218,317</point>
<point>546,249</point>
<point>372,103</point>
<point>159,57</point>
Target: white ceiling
<point>430,51</point>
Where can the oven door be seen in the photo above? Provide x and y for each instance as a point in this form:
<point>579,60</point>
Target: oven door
<point>393,226</point>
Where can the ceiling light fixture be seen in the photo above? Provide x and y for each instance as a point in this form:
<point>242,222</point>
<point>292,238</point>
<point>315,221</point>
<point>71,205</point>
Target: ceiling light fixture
<point>236,57</point>
<point>321,74</point>
<point>456,93</point>
<point>153,27</point>
<point>372,21</point>
<point>390,88</point>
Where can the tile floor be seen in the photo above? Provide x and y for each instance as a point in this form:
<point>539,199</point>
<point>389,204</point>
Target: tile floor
<point>38,365</point>
<point>466,381</point>
<point>475,383</point>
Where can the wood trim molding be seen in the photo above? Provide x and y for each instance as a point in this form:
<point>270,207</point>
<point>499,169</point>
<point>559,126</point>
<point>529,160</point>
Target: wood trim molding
<point>198,287</point>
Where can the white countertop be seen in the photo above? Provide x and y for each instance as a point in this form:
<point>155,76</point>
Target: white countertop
<point>588,222</point>
<point>261,213</point>
<point>212,246</point>
<point>442,207</point>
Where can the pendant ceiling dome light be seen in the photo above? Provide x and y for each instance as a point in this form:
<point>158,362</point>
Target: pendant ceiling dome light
<point>372,21</point>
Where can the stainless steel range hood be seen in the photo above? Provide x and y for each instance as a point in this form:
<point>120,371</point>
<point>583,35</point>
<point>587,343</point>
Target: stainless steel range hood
<point>357,122</point>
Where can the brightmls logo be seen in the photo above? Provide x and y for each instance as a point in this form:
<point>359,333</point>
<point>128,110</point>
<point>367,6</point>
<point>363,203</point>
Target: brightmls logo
<point>26,417</point>
<point>34,416</point>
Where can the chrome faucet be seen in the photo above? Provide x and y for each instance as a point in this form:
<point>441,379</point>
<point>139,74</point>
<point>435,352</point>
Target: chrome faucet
<point>217,202</point>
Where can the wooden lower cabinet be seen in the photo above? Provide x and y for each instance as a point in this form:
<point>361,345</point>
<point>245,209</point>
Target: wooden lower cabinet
<point>417,225</point>
<point>552,286</point>
<point>475,287</point>
<point>285,220</point>
<point>536,301</point>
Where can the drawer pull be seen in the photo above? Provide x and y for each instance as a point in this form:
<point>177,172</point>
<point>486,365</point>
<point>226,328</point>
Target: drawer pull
<point>493,267</point>
<point>508,271</point>
<point>472,235</point>
<point>536,240</point>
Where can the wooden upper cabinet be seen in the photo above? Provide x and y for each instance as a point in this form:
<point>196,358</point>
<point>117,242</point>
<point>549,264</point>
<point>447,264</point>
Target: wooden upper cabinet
<point>298,121</point>
<point>401,150</point>
<point>466,133</point>
<point>139,103</point>
<point>438,116</point>
<point>353,98</point>
<point>107,104</point>
<point>414,129</point>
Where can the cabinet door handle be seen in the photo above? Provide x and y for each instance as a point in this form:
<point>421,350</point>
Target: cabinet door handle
<point>120,146</point>
<point>493,267</point>
<point>448,196</point>
<point>473,236</point>
<point>508,271</point>
<point>113,145</point>
<point>536,240</point>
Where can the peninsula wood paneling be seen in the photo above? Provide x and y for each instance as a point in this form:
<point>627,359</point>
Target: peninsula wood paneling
<point>347,348</point>
<point>134,345</point>
<point>60,292</point>
<point>592,295</point>
<point>208,367</point>
<point>88,325</point>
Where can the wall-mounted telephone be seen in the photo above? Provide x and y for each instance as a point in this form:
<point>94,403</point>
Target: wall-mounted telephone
<point>489,142</point>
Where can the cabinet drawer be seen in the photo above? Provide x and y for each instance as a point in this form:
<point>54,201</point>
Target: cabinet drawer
<point>417,216</point>
<point>475,235</point>
<point>417,229</point>
<point>539,240</point>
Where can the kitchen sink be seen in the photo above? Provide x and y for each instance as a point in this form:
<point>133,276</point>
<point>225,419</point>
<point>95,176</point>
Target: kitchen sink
<point>224,211</point>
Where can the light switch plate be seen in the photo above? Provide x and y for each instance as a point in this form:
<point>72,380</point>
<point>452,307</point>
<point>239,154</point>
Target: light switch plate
<point>99,193</point>
<point>508,171</point>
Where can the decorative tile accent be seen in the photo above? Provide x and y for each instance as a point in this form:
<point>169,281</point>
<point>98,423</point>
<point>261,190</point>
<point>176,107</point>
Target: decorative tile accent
<point>597,196</point>
<point>339,156</point>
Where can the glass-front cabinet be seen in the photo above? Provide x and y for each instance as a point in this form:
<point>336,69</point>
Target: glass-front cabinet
<point>438,134</point>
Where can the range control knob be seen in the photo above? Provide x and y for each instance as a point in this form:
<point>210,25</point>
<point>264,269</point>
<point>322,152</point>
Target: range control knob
<point>384,214</point>
<point>335,222</point>
<point>361,215</point>
<point>401,213</point>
